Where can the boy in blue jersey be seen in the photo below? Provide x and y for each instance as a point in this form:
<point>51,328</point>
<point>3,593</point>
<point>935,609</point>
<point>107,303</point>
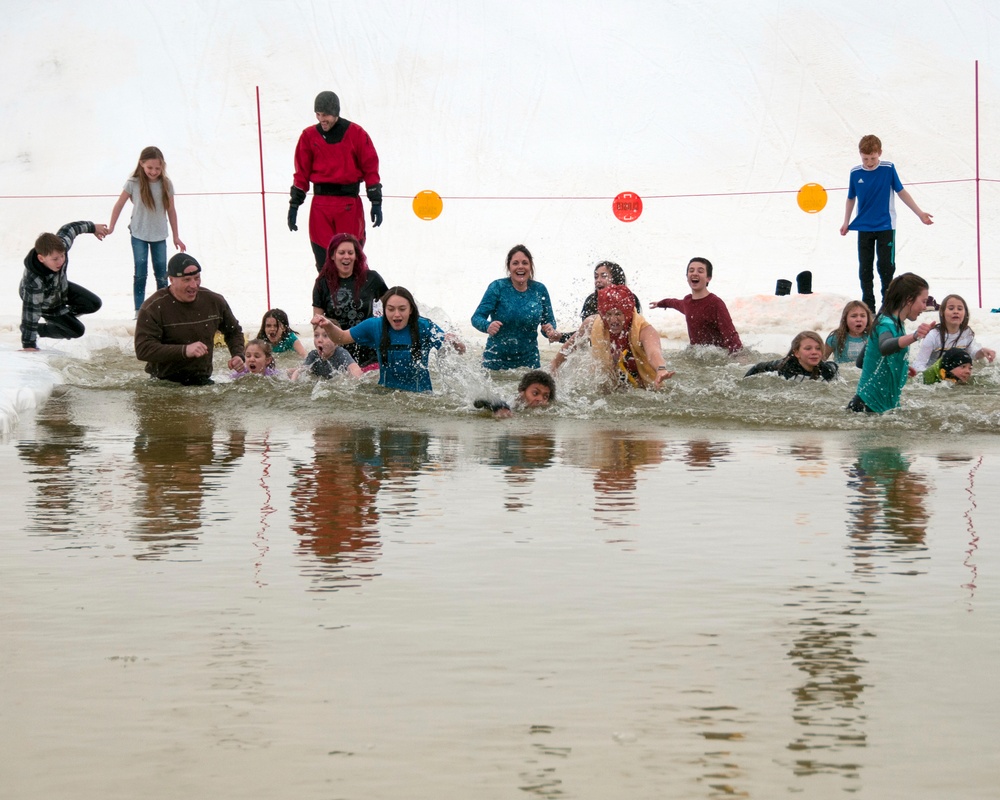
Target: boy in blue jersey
<point>872,185</point>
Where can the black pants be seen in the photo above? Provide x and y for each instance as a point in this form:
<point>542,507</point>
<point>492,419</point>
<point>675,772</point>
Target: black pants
<point>319,253</point>
<point>67,326</point>
<point>871,244</point>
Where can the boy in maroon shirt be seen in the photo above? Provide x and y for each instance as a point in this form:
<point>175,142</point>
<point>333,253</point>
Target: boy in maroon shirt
<point>708,319</point>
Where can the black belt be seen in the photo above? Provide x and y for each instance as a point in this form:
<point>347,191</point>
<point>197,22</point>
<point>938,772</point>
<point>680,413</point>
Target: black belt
<point>336,189</point>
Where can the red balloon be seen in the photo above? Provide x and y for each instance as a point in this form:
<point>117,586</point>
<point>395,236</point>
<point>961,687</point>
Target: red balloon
<point>627,206</point>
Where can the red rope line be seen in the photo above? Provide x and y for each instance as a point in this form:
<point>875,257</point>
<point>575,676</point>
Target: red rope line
<point>502,197</point>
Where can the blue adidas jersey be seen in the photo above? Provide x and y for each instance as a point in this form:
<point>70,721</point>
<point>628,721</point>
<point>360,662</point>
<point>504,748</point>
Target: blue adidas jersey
<point>875,190</point>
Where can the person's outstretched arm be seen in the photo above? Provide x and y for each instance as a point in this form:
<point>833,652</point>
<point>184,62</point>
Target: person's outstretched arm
<point>649,338</point>
<point>925,218</point>
<point>333,330</point>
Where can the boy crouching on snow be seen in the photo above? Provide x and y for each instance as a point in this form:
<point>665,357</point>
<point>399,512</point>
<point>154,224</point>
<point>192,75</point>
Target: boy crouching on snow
<point>46,292</point>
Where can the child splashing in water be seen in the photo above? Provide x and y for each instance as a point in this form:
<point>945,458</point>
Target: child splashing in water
<point>327,358</point>
<point>846,343</point>
<point>952,331</point>
<point>276,329</point>
<point>803,362</point>
<point>886,366</point>
<point>401,338</point>
<point>954,366</point>
<point>152,196</point>
<point>257,359</point>
<point>536,390</point>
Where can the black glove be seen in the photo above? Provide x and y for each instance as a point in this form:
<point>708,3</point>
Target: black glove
<point>298,197</point>
<point>375,198</point>
<point>492,405</point>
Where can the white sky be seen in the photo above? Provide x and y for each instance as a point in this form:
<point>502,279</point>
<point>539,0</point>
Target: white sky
<point>490,100</point>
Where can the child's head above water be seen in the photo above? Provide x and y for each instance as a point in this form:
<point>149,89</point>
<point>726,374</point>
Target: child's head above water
<point>807,349</point>
<point>956,365</point>
<point>856,319</point>
<point>274,326</point>
<point>257,356</point>
<point>906,296</point>
<point>536,389</point>
<point>325,346</point>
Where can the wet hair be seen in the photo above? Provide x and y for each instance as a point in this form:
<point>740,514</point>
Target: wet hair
<point>700,260</point>
<point>902,289</point>
<point>329,271</point>
<point>801,337</point>
<point>870,144</point>
<point>541,377</point>
<point>840,335</point>
<point>49,243</point>
<point>413,324</point>
<point>281,318</point>
<point>265,347</point>
<point>520,248</point>
<point>148,154</point>
<point>615,270</point>
<point>797,342</point>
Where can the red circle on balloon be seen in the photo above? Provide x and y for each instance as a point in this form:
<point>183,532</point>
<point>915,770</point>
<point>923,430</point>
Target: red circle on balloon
<point>627,206</point>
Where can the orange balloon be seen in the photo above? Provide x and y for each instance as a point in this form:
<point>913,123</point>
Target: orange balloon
<point>427,205</point>
<point>812,198</point>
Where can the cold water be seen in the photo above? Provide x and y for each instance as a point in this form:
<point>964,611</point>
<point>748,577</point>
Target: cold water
<point>728,588</point>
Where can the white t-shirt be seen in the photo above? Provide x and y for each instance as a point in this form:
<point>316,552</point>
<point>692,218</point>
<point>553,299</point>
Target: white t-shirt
<point>937,341</point>
<point>147,224</point>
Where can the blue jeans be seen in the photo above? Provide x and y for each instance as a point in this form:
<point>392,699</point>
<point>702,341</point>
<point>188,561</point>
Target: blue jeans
<point>158,250</point>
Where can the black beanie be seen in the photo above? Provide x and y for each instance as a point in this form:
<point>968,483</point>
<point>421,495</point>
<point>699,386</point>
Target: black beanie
<point>955,357</point>
<point>327,103</point>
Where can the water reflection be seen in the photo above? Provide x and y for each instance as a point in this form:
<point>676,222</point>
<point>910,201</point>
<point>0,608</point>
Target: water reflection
<point>521,455</point>
<point>828,707</point>
<point>540,777</point>
<point>888,516</point>
<point>968,517</point>
<point>60,502</point>
<point>704,454</point>
<point>614,459</point>
<point>180,464</point>
<point>403,456</point>
<point>334,510</point>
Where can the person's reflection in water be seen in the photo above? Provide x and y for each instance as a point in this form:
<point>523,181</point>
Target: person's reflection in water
<point>404,455</point>
<point>178,465</point>
<point>616,459</point>
<point>888,517</point>
<point>703,454</point>
<point>811,456</point>
<point>334,512</point>
<point>522,455</point>
<point>52,471</point>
